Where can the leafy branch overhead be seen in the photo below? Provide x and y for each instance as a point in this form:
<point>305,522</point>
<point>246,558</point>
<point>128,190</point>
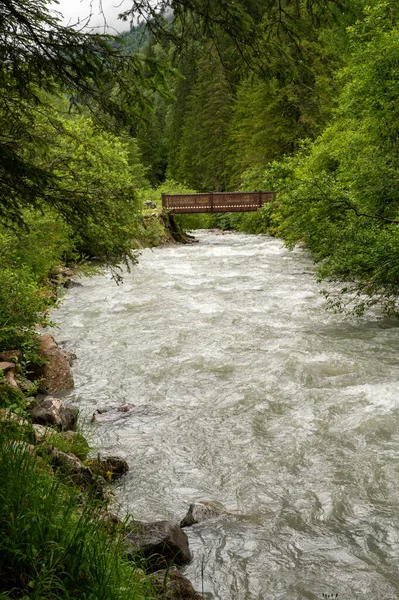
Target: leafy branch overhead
<point>39,59</point>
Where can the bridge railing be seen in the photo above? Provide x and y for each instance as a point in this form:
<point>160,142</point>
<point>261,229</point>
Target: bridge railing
<point>216,202</point>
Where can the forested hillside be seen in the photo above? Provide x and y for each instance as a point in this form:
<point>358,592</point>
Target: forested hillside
<point>303,100</point>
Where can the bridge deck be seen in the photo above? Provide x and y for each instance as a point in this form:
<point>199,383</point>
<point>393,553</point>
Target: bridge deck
<point>215,202</point>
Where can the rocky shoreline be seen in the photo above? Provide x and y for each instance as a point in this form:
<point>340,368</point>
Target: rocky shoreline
<point>161,546</point>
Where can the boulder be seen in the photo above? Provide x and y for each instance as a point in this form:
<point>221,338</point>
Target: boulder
<point>203,510</point>
<point>70,356</point>
<point>73,466</point>
<point>8,369</point>
<point>170,584</point>
<point>69,435</point>
<point>53,412</point>
<point>161,544</point>
<point>7,366</point>
<point>41,433</point>
<point>111,466</point>
<point>56,373</point>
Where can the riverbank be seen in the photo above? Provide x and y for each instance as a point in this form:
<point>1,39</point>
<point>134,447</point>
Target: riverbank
<point>62,540</point>
<point>58,493</point>
<point>41,447</point>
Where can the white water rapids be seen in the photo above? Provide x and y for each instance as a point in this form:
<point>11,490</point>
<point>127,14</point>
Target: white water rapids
<point>247,392</point>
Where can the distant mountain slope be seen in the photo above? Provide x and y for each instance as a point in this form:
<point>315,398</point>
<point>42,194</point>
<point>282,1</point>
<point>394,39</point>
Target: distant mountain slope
<point>133,40</point>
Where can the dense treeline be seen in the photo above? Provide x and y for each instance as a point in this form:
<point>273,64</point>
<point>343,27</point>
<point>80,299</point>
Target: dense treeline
<point>305,102</point>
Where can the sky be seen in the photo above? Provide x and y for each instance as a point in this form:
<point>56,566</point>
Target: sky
<point>74,10</point>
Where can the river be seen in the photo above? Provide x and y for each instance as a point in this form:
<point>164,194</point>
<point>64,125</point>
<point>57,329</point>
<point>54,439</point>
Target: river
<point>247,392</point>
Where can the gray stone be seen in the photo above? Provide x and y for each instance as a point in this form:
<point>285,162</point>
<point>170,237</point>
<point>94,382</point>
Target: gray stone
<point>7,366</point>
<point>161,544</point>
<point>70,356</point>
<point>203,510</point>
<point>150,204</point>
<point>69,435</point>
<point>115,465</point>
<point>8,369</point>
<point>79,472</point>
<point>6,415</point>
<point>53,412</point>
<point>41,433</point>
<point>111,413</point>
<point>170,584</point>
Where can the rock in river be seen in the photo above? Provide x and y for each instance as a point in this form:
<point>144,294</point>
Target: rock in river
<point>52,411</point>
<point>203,510</point>
<point>169,584</point>
<point>161,544</point>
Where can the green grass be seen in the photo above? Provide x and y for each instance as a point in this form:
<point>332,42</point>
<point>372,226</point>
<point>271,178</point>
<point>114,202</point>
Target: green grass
<point>53,542</point>
<point>77,445</point>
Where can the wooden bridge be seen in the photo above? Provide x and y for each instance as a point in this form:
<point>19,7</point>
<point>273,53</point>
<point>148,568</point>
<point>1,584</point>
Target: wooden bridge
<point>216,202</point>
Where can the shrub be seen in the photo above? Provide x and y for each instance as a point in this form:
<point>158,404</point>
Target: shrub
<point>53,546</point>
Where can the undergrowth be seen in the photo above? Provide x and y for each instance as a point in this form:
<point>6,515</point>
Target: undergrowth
<point>53,542</point>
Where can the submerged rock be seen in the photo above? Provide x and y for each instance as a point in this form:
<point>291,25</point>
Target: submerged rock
<point>161,544</point>
<point>52,411</point>
<point>203,510</point>
<point>170,584</point>
<point>110,413</point>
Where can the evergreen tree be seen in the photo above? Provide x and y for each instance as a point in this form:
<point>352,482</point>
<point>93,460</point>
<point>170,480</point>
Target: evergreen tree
<point>203,146</point>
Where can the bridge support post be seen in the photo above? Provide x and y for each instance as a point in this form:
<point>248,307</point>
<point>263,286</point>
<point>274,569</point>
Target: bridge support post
<point>211,200</point>
<point>260,199</point>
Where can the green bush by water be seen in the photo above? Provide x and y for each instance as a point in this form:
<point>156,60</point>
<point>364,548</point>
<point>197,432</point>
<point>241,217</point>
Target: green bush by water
<point>53,543</point>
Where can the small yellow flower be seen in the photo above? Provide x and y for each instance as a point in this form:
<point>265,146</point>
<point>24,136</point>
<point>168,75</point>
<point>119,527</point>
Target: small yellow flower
<point>108,475</point>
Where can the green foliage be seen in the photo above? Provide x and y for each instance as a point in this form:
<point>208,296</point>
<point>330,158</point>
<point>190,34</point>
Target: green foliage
<point>247,99</point>
<point>100,172</point>
<point>75,444</point>
<point>11,398</point>
<point>170,186</point>
<point>258,222</point>
<point>39,247</point>
<point>39,59</point>
<point>202,148</point>
<point>134,40</point>
<point>340,195</point>
<point>52,545</point>
<point>22,304</point>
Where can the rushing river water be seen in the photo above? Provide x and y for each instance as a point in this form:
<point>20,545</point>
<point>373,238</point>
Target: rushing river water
<point>247,392</point>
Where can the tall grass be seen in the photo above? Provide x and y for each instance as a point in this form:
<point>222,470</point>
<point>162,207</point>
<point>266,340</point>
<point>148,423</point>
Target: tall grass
<point>53,543</point>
